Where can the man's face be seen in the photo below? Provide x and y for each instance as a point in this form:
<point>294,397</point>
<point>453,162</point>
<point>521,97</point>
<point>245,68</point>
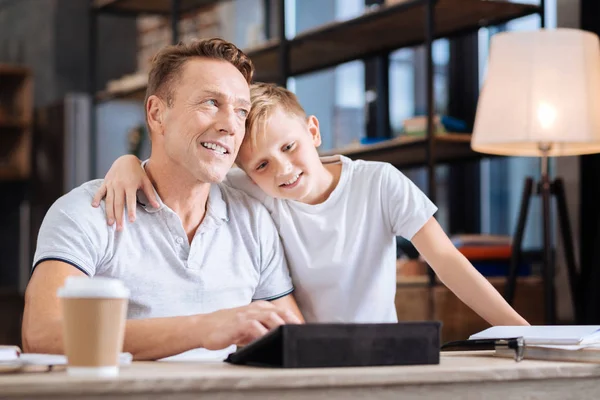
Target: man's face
<point>204,125</point>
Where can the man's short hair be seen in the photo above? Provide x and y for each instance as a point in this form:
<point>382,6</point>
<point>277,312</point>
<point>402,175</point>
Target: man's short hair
<point>167,63</point>
<point>266,98</point>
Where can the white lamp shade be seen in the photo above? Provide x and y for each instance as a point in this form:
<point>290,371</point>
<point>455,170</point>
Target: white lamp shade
<point>542,88</point>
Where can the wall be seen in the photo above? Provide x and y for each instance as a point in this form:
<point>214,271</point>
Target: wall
<point>53,42</point>
<point>25,38</point>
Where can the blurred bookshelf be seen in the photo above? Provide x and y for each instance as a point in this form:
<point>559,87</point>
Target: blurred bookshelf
<point>161,7</point>
<point>411,151</point>
<point>377,31</point>
<point>16,122</point>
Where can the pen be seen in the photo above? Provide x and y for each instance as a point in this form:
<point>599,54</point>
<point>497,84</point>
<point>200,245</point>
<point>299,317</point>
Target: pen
<point>517,344</point>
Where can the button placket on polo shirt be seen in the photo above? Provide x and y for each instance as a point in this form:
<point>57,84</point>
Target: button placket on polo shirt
<point>207,229</point>
<point>181,245</point>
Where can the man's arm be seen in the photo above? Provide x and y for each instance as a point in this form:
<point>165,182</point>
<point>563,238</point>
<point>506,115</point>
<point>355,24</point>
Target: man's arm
<point>459,275</point>
<point>145,339</point>
<point>289,303</point>
<point>42,330</point>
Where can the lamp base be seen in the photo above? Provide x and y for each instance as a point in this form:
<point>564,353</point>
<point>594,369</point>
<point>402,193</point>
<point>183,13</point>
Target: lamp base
<point>546,189</point>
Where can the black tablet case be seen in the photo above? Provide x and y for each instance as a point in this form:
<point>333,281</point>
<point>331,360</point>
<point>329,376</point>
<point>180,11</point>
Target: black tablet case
<point>344,345</point>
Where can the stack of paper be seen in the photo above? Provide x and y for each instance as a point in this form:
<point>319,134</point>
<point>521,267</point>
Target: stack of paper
<point>9,353</point>
<point>551,334</point>
<point>557,343</point>
<point>15,360</point>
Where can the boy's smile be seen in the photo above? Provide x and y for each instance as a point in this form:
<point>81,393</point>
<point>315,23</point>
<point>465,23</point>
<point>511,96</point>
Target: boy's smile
<point>292,183</point>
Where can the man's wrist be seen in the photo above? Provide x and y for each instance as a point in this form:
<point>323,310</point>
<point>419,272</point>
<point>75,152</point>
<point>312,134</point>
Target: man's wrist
<point>197,328</point>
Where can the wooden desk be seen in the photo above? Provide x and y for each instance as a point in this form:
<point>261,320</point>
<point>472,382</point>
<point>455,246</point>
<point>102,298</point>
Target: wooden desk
<point>457,377</point>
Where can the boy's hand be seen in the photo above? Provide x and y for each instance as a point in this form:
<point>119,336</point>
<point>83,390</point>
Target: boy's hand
<point>120,185</point>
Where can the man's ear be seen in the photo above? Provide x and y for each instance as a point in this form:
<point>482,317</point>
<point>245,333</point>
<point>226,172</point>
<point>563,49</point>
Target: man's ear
<point>155,109</point>
<point>313,128</point>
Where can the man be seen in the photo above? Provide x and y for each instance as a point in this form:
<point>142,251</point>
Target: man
<point>199,262</point>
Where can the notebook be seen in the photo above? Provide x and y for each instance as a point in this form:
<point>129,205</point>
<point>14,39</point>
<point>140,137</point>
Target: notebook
<point>12,360</point>
<point>9,353</point>
<point>574,335</point>
<point>585,353</point>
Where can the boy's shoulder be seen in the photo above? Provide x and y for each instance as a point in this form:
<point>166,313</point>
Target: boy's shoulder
<point>236,178</point>
<point>362,169</point>
<point>239,201</point>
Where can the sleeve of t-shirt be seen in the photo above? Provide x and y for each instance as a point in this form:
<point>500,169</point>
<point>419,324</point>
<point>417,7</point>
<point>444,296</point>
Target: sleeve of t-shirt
<point>408,208</point>
<point>238,179</point>
<point>275,280</point>
<point>72,233</point>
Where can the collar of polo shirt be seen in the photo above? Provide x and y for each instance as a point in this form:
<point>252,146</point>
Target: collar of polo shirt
<point>216,206</point>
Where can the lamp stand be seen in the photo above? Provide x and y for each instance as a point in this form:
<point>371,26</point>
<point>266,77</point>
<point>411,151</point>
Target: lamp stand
<point>546,189</point>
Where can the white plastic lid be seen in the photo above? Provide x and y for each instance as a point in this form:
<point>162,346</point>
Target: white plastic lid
<point>82,286</point>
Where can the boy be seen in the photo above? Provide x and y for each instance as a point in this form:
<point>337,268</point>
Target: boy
<point>338,219</point>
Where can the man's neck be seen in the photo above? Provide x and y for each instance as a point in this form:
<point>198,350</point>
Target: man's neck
<point>180,191</point>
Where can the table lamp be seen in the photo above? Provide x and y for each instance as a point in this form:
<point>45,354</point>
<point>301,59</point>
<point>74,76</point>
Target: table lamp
<point>541,97</point>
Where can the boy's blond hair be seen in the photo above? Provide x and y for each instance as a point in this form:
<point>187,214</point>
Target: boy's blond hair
<point>266,98</point>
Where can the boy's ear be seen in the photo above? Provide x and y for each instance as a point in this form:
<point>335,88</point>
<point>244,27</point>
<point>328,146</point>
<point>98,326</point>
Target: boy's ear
<point>313,128</point>
<point>154,114</point>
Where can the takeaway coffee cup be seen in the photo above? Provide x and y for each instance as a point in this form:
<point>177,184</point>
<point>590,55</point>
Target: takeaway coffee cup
<point>94,313</point>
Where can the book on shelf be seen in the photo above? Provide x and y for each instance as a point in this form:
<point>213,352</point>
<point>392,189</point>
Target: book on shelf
<point>479,253</point>
<point>479,248</point>
<point>481,240</point>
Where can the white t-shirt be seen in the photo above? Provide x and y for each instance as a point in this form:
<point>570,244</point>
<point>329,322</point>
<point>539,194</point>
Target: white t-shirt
<point>342,252</point>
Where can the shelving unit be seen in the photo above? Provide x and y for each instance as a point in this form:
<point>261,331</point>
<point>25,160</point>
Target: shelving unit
<point>382,30</point>
<point>137,93</point>
<point>16,115</point>
<point>158,7</point>
<point>409,152</point>
<point>386,28</point>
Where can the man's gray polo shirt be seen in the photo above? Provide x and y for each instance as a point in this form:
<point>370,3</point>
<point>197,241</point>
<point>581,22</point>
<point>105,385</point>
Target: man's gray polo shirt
<point>235,256</point>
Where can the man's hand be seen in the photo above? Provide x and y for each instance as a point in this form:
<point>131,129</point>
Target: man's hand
<point>242,325</point>
<point>120,187</point>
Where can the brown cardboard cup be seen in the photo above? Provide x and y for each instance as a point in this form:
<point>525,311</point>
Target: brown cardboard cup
<point>94,313</point>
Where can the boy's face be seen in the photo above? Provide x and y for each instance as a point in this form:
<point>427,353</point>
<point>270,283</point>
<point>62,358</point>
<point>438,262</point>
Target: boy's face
<point>284,161</point>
